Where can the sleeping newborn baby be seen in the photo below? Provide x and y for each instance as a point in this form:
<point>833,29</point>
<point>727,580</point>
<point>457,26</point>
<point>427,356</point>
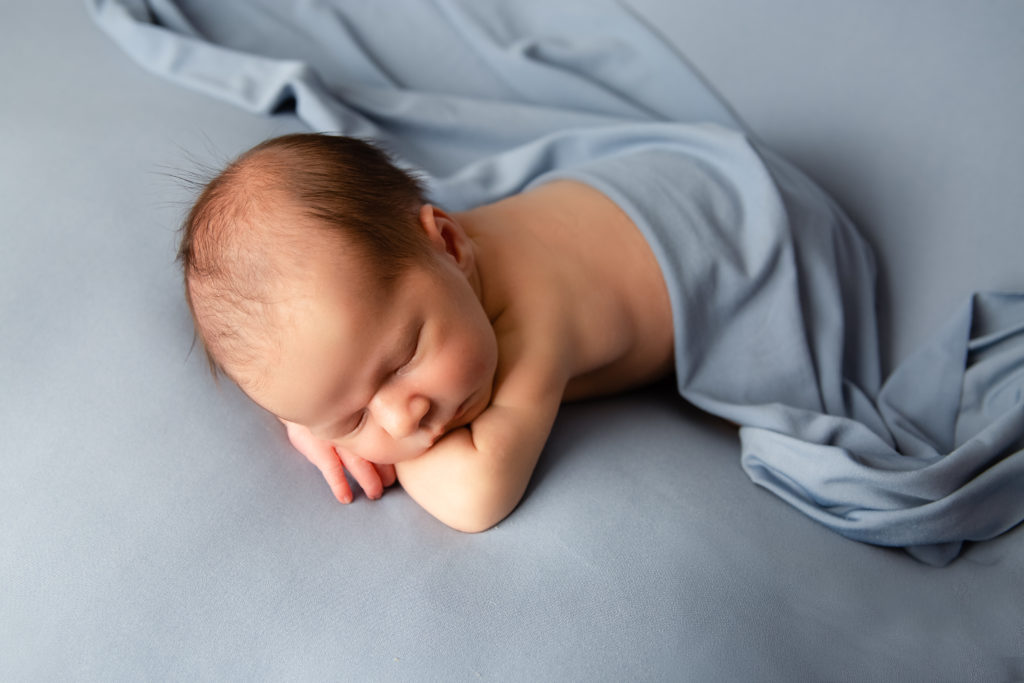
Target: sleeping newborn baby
<point>395,338</point>
<point>384,331</point>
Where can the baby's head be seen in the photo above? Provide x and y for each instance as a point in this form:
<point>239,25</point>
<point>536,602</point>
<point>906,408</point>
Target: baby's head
<point>324,285</point>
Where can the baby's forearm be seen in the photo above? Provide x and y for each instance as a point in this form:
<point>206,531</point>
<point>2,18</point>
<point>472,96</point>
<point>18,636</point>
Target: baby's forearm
<point>475,476</point>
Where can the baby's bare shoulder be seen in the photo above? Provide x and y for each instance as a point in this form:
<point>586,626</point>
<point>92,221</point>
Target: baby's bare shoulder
<point>592,295</point>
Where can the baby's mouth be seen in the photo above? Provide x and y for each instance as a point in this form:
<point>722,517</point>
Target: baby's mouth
<point>459,419</point>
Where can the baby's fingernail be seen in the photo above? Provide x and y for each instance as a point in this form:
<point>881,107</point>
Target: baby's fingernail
<point>346,498</point>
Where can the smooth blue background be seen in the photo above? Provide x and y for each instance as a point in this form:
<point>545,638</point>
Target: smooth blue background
<point>155,526</point>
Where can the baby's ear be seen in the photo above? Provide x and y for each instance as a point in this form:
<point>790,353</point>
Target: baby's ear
<point>447,236</point>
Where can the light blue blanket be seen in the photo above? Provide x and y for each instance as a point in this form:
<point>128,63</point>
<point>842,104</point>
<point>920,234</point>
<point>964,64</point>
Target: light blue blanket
<point>784,343</point>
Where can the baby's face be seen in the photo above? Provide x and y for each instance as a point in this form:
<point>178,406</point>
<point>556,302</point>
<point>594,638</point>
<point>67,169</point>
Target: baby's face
<point>383,377</point>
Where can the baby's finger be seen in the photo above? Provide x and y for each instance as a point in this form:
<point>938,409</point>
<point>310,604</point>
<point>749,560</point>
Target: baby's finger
<point>334,473</point>
<point>363,472</point>
<point>387,475</point>
<point>323,456</point>
<point>327,461</point>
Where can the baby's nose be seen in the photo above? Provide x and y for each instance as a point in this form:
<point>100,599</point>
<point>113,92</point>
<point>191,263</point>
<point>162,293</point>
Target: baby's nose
<point>402,416</point>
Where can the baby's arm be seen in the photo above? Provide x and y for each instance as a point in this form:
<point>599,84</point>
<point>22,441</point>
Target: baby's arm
<point>475,476</point>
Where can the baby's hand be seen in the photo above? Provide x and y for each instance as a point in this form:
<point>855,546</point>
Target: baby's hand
<point>333,462</point>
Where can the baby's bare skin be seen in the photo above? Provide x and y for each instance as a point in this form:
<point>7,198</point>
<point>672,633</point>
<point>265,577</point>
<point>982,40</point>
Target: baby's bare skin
<point>576,305</point>
<point>574,265</point>
<point>583,312</point>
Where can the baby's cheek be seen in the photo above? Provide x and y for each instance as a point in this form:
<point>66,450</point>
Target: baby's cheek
<point>479,353</point>
<point>487,356</point>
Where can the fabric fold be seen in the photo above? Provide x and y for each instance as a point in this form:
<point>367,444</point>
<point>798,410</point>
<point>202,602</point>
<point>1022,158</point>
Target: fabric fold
<point>772,288</point>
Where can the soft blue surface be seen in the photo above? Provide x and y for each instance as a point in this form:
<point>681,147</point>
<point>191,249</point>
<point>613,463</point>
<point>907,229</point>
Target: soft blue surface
<point>154,526</point>
<point>773,291</point>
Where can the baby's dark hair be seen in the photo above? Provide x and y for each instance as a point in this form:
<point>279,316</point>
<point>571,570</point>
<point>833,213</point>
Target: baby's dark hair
<point>256,217</point>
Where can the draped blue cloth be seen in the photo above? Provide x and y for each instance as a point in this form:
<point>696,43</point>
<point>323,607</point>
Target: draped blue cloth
<point>771,286</point>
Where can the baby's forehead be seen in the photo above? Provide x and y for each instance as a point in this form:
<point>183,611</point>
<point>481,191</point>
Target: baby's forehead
<point>330,281</point>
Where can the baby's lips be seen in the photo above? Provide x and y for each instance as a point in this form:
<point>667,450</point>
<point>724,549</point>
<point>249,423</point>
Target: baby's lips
<point>457,420</point>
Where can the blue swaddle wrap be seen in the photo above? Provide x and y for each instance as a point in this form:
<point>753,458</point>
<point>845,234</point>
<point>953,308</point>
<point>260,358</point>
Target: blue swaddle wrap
<point>774,322</point>
<point>772,289</point>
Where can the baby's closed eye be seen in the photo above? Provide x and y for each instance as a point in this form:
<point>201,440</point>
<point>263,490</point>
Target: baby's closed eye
<point>357,422</point>
<point>411,354</point>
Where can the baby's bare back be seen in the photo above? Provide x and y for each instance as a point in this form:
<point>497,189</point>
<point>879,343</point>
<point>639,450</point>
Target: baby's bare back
<point>579,274</point>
